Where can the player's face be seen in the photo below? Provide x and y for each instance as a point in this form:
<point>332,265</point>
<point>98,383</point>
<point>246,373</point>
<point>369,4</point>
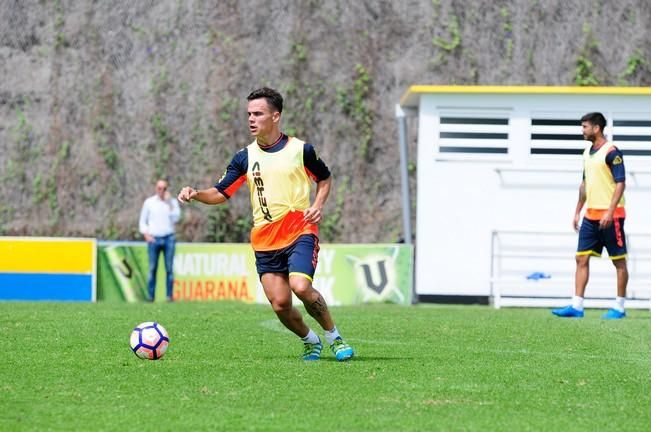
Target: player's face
<point>262,118</point>
<point>589,131</point>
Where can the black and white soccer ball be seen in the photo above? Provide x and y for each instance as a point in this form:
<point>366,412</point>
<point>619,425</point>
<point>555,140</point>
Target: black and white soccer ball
<point>149,340</point>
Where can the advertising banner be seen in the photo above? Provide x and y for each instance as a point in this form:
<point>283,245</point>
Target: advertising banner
<point>346,274</point>
<point>47,269</point>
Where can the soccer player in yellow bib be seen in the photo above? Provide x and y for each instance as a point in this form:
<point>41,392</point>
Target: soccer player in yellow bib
<point>279,170</point>
<point>602,190</point>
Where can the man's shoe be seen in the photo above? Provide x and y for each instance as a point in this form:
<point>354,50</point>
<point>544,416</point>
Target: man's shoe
<point>312,351</point>
<point>341,350</point>
<point>613,314</point>
<point>568,312</point>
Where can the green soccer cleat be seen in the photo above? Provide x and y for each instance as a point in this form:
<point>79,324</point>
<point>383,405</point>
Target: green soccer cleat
<point>342,350</point>
<point>312,351</point>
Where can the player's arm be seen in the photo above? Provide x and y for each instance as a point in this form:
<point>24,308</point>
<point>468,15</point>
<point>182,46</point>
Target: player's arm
<point>615,160</point>
<point>617,195</point>
<point>319,172</point>
<point>607,218</point>
<point>579,206</point>
<point>227,185</point>
<point>206,196</point>
<point>314,213</point>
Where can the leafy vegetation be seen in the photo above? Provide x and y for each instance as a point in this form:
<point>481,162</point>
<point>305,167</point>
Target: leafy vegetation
<point>354,103</point>
<point>636,65</point>
<point>584,73</point>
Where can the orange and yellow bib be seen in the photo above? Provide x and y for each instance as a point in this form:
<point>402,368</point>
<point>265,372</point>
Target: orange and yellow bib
<point>280,191</point>
<point>599,183</point>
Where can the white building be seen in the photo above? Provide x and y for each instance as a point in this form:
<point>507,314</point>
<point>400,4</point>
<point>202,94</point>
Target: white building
<point>499,169</point>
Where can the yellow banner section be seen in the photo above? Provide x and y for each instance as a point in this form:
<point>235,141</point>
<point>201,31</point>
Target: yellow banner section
<point>46,255</point>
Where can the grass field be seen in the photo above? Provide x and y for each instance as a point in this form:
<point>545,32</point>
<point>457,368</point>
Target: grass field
<point>232,367</point>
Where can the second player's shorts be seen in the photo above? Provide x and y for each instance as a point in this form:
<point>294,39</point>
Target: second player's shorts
<point>592,239</point>
<point>299,258</point>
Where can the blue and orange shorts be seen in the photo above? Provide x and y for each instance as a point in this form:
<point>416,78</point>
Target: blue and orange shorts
<point>592,239</point>
<point>299,258</point>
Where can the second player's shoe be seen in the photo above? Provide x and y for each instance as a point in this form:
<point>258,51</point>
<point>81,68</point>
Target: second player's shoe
<point>568,312</point>
<point>613,314</point>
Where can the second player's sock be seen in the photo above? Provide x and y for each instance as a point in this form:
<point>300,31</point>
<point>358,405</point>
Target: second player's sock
<point>619,304</point>
<point>311,338</point>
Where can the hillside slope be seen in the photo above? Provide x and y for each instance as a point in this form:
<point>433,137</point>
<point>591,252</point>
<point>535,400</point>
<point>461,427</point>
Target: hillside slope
<point>98,99</point>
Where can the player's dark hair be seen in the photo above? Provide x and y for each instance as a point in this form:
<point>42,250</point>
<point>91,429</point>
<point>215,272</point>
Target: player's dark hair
<point>274,99</point>
<point>596,119</point>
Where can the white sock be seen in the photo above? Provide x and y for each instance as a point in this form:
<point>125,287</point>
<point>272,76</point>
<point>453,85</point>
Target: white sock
<point>332,335</point>
<point>311,338</point>
<point>577,303</point>
<point>619,304</point>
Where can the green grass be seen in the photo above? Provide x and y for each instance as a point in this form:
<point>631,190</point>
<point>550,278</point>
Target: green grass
<point>232,367</point>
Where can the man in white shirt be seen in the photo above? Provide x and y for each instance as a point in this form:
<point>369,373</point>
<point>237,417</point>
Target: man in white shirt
<point>159,214</point>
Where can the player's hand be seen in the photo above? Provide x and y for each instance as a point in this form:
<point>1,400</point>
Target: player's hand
<point>312,215</point>
<point>606,221</point>
<point>575,223</point>
<point>187,194</point>
<point>148,238</point>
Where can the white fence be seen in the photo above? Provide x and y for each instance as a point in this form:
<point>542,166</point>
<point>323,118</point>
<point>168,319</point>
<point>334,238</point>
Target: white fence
<point>536,268</point>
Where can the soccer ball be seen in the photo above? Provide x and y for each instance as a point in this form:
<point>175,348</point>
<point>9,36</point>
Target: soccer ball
<point>149,340</point>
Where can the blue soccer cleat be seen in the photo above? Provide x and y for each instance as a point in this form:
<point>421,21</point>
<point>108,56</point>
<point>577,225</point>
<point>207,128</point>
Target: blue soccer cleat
<point>312,351</point>
<point>613,314</point>
<point>568,312</point>
<point>341,350</point>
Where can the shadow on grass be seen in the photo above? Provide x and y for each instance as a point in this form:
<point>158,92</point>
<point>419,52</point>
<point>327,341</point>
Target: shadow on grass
<point>356,359</point>
<point>369,358</point>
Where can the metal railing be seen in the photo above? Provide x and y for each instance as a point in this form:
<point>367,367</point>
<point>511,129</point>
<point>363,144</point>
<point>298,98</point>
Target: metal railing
<point>536,268</point>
